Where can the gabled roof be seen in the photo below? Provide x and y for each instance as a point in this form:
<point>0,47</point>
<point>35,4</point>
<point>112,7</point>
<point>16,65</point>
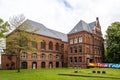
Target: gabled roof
<point>83,26</point>
<point>38,28</point>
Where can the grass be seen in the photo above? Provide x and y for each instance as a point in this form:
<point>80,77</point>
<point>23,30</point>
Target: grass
<point>52,74</point>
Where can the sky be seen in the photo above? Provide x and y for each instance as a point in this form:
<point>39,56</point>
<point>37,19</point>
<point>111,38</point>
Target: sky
<point>63,15</point>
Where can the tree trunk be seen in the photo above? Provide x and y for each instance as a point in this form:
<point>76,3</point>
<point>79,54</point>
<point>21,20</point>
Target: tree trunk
<point>18,61</point>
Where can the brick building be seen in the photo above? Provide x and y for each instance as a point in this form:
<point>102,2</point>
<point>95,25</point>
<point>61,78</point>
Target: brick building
<point>83,44</point>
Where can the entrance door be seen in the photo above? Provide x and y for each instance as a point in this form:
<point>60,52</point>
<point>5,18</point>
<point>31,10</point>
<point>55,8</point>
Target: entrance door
<point>50,65</point>
<point>57,64</point>
<point>24,65</point>
<point>43,65</point>
<point>34,65</point>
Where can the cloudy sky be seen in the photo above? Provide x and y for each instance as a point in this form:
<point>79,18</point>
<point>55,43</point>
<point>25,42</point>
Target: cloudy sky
<point>63,15</point>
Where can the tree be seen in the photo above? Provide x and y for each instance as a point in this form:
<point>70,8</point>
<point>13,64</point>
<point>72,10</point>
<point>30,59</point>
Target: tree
<point>4,27</point>
<point>113,43</point>
<point>19,39</point>
<point>17,20</point>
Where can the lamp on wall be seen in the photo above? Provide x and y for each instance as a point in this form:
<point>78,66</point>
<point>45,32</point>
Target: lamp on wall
<point>2,51</point>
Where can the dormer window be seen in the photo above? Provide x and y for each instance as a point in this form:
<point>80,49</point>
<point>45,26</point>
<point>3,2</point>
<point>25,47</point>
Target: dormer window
<point>75,40</point>
<point>71,41</point>
<point>80,39</point>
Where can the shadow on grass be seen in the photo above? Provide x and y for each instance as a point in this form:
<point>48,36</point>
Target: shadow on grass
<point>83,75</point>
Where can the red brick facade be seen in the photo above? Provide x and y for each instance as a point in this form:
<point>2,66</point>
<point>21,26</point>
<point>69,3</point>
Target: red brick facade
<point>8,61</point>
<point>82,47</point>
<point>89,49</point>
<point>46,58</point>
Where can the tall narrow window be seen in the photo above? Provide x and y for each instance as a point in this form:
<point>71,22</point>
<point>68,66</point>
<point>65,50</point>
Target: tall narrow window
<point>80,48</point>
<point>43,45</point>
<point>75,40</point>
<point>71,41</point>
<point>50,45</point>
<point>75,49</point>
<point>24,55</point>
<point>57,46</point>
<point>34,55</point>
<point>80,59</point>
<point>62,46</point>
<point>80,39</point>
<point>50,56</point>
<point>23,42</point>
<point>75,60</point>
<point>71,51</point>
<point>71,60</point>
<point>34,44</point>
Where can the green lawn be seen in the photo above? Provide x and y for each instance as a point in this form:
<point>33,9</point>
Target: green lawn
<point>52,74</point>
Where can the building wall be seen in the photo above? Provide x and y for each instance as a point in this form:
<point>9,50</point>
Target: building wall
<point>49,62</point>
<point>86,47</point>
<point>8,61</point>
<point>92,49</point>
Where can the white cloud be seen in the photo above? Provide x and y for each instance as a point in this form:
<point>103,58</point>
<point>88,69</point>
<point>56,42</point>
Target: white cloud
<point>63,15</point>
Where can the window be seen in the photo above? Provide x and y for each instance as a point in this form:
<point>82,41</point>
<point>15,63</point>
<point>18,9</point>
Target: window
<point>75,60</point>
<point>24,55</point>
<point>71,51</point>
<point>57,46</point>
<point>23,42</point>
<point>80,59</point>
<point>75,49</point>
<point>80,39</point>
<point>57,57</point>
<point>43,45</point>
<point>75,40</point>
<point>50,45</point>
<point>34,44</point>
<point>71,41</point>
<point>71,60</point>
<point>80,48</point>
<point>50,56</point>
<point>34,55</point>
<point>43,56</point>
<point>62,46</point>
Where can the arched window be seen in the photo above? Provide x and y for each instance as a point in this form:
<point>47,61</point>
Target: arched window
<point>34,44</point>
<point>62,46</point>
<point>43,44</point>
<point>43,56</point>
<point>50,56</point>
<point>24,42</point>
<point>57,46</point>
<point>34,55</point>
<point>57,57</point>
<point>50,45</point>
<point>24,55</point>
